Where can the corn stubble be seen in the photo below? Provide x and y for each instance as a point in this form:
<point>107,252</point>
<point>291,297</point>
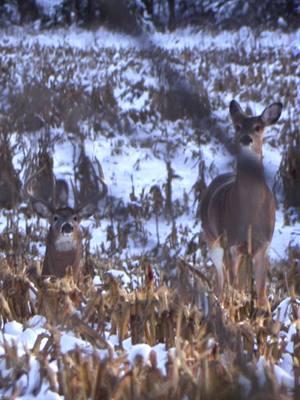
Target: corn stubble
<point>209,347</point>
<point>213,349</point>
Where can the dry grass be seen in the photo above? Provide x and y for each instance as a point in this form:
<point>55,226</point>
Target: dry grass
<point>213,349</point>
<point>210,347</point>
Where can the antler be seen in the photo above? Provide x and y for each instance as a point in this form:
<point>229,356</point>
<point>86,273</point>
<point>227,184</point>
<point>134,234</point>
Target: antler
<point>41,166</point>
<point>42,184</point>
<point>41,206</point>
<point>100,178</point>
<point>90,176</point>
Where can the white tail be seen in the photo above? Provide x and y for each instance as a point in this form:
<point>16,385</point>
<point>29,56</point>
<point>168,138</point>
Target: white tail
<point>239,207</point>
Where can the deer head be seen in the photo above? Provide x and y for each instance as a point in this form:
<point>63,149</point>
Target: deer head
<point>250,130</point>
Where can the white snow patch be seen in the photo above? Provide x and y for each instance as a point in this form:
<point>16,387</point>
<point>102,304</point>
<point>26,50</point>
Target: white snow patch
<point>13,328</point>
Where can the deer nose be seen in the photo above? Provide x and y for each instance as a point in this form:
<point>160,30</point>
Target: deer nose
<point>67,228</point>
<point>245,140</point>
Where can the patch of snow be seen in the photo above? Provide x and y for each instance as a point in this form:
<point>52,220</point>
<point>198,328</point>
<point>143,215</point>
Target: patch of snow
<point>44,394</point>
<point>13,328</point>
<point>143,350</point>
<point>161,356</point>
<point>37,321</point>
<point>189,38</point>
<point>121,275</point>
<point>27,338</point>
<point>283,237</point>
<point>283,312</point>
<point>97,280</point>
<point>139,350</point>
<point>284,378</point>
<point>69,342</point>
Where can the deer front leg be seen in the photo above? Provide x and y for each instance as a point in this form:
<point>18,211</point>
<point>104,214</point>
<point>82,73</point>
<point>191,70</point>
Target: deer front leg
<point>217,255</point>
<point>235,262</point>
<point>261,267</point>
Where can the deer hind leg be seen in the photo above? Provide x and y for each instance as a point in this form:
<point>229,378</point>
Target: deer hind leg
<point>217,255</point>
<point>261,266</point>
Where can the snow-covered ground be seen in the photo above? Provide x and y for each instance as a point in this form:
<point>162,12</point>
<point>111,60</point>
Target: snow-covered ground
<point>134,151</point>
<point>125,157</point>
<point>23,338</point>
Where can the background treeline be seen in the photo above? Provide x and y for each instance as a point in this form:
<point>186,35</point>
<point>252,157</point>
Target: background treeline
<point>135,15</point>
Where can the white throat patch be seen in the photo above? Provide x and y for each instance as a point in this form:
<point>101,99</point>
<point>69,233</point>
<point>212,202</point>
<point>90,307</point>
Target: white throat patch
<point>247,151</point>
<point>65,242</point>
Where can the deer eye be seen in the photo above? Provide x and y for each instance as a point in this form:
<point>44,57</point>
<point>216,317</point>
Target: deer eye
<point>55,218</point>
<point>238,127</point>
<point>257,128</point>
<point>75,218</point>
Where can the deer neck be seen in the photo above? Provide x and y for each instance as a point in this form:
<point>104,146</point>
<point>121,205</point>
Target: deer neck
<point>250,179</point>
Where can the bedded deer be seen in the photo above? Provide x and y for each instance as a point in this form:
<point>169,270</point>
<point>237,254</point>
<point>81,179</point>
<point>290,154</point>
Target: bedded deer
<point>64,240</point>
<point>238,208</point>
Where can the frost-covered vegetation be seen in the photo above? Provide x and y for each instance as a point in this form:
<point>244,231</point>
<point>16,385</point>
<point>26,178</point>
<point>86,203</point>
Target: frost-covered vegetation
<point>136,15</point>
<point>143,322</point>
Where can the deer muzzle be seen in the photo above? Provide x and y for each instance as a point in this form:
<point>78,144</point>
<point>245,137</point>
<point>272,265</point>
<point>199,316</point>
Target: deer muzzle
<point>67,228</point>
<point>246,140</point>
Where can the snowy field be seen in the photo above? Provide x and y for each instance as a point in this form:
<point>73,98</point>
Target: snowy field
<point>153,109</point>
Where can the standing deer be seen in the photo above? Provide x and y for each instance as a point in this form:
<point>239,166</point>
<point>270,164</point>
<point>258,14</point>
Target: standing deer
<point>239,208</point>
<point>64,239</point>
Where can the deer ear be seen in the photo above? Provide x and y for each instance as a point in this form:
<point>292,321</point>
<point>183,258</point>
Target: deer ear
<point>42,209</point>
<point>271,114</point>
<point>235,110</point>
